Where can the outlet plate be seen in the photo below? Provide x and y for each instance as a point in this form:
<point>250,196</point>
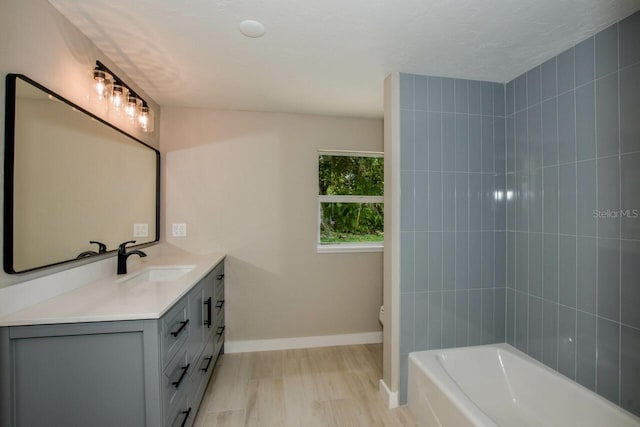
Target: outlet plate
<point>179,230</point>
<point>140,230</point>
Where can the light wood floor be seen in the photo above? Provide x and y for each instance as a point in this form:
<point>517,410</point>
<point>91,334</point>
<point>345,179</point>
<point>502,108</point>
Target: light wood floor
<point>330,386</point>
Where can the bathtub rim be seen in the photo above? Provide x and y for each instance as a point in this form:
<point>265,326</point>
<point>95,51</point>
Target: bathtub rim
<point>428,362</point>
<point>446,385</point>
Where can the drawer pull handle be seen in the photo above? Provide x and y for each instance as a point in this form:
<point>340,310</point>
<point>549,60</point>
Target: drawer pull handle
<point>186,416</point>
<point>220,303</point>
<point>184,372</point>
<point>220,330</point>
<point>181,328</point>
<point>208,304</point>
<point>209,360</point>
<point>220,276</point>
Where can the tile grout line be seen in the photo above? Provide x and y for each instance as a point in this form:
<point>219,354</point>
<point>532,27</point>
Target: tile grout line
<point>542,226</point>
<point>597,280</point>
<point>557,222</point>
<point>495,189</point>
<point>442,219</point>
<point>468,221</point>
<point>575,156</point>
<point>515,202</point>
<point>413,114</point>
<point>512,207</point>
<point>619,222</point>
<point>528,208</point>
<point>427,232</point>
<point>506,216</point>
<point>508,208</point>
<point>481,210</point>
<point>455,236</point>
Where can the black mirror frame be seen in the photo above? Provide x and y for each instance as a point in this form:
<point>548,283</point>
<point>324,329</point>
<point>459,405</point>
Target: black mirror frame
<point>9,156</point>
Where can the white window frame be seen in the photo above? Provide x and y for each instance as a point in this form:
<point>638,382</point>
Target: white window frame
<point>355,246</point>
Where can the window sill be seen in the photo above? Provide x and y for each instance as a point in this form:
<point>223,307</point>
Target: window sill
<point>349,248</point>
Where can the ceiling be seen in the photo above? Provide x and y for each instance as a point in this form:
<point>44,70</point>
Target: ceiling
<point>326,56</point>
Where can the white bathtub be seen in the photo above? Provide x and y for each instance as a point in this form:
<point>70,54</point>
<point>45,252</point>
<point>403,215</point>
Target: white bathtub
<point>497,385</point>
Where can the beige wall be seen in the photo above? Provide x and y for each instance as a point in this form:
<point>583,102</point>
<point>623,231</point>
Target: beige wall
<point>37,41</point>
<point>246,183</point>
<point>243,182</point>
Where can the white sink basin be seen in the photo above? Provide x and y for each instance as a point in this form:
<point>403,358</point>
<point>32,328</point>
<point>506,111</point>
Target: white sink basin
<point>158,274</point>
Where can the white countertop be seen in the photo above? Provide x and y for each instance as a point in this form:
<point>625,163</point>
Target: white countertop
<point>112,298</point>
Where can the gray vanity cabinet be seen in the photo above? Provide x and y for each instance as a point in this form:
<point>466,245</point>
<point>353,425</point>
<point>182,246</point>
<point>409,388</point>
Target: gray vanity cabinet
<point>122,373</point>
<point>83,374</point>
<point>213,331</point>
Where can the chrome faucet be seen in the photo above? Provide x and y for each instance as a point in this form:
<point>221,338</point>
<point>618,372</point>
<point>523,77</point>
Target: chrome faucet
<point>123,255</point>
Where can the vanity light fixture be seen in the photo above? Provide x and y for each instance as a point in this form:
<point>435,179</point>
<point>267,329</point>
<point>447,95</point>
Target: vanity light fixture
<point>132,107</point>
<point>102,82</point>
<point>145,118</point>
<point>118,98</point>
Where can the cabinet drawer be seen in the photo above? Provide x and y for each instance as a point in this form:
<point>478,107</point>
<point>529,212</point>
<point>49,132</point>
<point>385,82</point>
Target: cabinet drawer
<point>201,374</point>
<point>206,361</point>
<point>218,274</point>
<point>176,379</point>
<point>182,414</point>
<point>218,313</point>
<point>219,289</point>
<point>219,320</point>
<point>218,338</point>
<point>174,328</point>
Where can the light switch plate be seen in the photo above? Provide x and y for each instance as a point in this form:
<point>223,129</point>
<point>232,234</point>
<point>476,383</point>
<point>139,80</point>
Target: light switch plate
<point>140,230</point>
<point>180,230</point>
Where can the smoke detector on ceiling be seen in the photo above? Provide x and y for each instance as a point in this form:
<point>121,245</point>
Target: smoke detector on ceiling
<point>250,28</point>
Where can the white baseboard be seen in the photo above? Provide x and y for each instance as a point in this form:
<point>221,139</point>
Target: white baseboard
<point>390,398</point>
<point>302,342</point>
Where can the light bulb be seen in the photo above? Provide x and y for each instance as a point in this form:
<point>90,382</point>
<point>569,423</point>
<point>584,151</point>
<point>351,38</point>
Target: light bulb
<point>101,83</point>
<point>132,108</point>
<point>118,98</point>
<point>145,119</point>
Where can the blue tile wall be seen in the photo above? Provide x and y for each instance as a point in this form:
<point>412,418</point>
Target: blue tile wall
<point>453,220</point>
<point>572,220</point>
<point>551,265</point>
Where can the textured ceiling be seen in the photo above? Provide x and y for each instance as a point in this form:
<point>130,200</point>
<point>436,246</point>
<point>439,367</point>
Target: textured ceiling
<point>327,56</point>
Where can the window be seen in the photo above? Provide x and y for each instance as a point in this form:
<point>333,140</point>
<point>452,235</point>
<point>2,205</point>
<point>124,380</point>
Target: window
<point>350,201</point>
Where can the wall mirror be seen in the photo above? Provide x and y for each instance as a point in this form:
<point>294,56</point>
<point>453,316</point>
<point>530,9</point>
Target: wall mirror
<point>70,179</point>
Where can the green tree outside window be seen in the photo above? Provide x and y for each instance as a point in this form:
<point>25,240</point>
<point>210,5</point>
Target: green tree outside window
<point>351,190</point>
